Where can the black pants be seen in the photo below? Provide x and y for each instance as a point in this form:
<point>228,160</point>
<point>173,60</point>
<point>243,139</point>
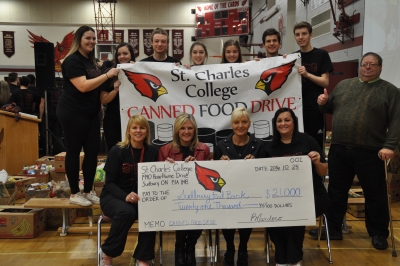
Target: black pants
<point>289,240</point>
<point>314,125</point>
<point>344,163</point>
<point>187,238</point>
<point>112,130</point>
<point>80,132</point>
<point>244,235</point>
<point>124,214</point>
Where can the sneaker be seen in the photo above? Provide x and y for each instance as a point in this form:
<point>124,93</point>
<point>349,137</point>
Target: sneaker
<point>80,200</point>
<point>281,264</point>
<point>93,198</point>
<point>333,235</point>
<point>105,260</point>
<point>379,242</point>
<point>296,264</point>
<point>143,263</point>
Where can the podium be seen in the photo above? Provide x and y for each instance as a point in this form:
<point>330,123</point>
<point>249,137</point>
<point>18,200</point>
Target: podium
<point>19,142</point>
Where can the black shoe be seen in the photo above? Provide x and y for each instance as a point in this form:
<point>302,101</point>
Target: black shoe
<point>180,258</point>
<point>333,235</point>
<point>190,256</point>
<point>242,259</point>
<point>379,242</point>
<point>229,258</point>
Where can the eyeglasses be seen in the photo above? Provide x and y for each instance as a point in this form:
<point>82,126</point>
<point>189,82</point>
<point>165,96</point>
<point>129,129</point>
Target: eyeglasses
<point>369,65</point>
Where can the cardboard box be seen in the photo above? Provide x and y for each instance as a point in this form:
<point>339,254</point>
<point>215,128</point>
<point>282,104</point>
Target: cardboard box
<point>39,176</point>
<point>55,218</point>
<point>5,197</point>
<point>57,176</point>
<point>18,222</point>
<point>29,194</point>
<point>357,210</point>
<point>47,160</point>
<point>394,179</point>
<point>20,184</point>
<point>60,162</point>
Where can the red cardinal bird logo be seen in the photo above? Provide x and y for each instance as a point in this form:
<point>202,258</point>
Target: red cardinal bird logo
<point>147,85</point>
<point>273,78</point>
<point>60,50</point>
<point>244,2</point>
<point>209,179</point>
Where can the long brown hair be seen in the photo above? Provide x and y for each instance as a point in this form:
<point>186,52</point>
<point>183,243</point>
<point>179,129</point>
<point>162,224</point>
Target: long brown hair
<point>4,92</point>
<point>77,42</point>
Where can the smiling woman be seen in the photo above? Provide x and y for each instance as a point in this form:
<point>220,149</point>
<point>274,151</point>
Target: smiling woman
<point>77,111</point>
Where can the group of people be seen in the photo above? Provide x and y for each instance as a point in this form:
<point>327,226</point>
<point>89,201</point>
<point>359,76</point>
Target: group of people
<point>366,123</point>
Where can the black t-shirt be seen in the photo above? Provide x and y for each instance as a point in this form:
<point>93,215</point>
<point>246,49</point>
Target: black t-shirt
<point>169,59</point>
<point>304,145</point>
<point>26,100</point>
<point>88,103</point>
<point>53,96</point>
<point>13,88</point>
<point>317,62</point>
<point>121,169</point>
<point>35,91</point>
<point>112,110</point>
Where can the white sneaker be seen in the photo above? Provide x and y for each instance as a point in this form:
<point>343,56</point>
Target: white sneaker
<point>282,264</point>
<point>80,200</point>
<point>105,260</point>
<point>93,198</point>
<point>297,264</point>
<point>143,263</point>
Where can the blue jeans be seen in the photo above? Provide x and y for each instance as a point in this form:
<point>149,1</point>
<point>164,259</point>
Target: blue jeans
<point>345,162</point>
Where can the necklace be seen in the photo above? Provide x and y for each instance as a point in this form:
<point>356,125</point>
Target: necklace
<point>239,151</point>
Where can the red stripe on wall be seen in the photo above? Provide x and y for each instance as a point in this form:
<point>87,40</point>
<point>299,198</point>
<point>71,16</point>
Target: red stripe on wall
<point>346,45</point>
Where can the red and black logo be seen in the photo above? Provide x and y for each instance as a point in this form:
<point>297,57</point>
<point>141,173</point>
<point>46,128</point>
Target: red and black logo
<point>209,179</point>
<point>147,85</point>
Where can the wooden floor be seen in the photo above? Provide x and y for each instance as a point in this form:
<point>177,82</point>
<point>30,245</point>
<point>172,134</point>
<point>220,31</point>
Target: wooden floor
<point>80,249</point>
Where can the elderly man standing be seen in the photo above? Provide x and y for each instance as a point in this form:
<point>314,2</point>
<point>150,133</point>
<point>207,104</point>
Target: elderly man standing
<point>366,130</point>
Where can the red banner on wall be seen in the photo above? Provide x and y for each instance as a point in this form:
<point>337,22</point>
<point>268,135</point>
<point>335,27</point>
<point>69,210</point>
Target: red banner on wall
<point>102,35</point>
<point>177,44</point>
<point>118,36</point>
<point>8,43</point>
<point>222,19</point>
<point>148,48</point>
<point>133,39</point>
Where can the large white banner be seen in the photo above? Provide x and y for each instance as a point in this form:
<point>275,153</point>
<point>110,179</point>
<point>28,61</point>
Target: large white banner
<point>226,194</point>
<point>162,91</point>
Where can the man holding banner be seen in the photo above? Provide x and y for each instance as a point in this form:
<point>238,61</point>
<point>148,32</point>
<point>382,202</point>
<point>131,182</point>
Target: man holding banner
<point>159,41</point>
<point>315,68</point>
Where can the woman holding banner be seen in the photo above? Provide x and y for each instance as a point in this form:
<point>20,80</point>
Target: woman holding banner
<point>288,141</point>
<point>231,52</point>
<point>119,198</point>
<point>198,54</point>
<point>110,96</point>
<point>238,145</point>
<point>185,146</point>
<point>78,110</point>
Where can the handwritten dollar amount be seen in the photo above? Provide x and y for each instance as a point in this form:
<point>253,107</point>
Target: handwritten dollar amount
<point>282,192</point>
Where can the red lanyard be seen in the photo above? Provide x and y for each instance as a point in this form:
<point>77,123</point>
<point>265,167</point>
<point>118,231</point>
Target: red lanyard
<point>141,154</point>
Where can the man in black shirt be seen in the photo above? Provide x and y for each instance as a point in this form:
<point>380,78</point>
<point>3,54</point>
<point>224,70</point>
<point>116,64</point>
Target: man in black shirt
<point>25,98</point>
<point>159,41</point>
<point>315,69</point>
<point>13,79</point>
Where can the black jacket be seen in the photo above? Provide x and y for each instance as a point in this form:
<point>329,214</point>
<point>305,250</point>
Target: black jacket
<point>226,147</point>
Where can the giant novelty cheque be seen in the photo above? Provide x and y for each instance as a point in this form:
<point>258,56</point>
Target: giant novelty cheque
<point>161,92</point>
<point>226,194</point>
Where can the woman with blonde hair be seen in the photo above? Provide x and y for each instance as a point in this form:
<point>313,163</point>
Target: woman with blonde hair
<point>78,110</point>
<point>5,93</point>
<point>238,145</point>
<point>119,197</point>
<point>186,147</point>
